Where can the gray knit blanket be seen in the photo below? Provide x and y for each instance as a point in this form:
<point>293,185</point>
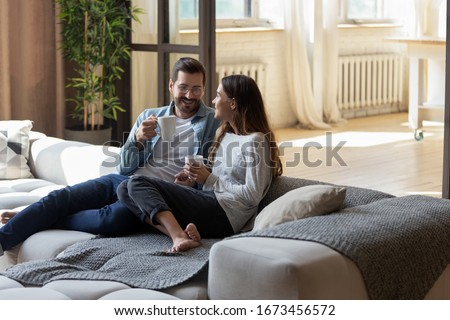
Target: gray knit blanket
<point>400,245</point>
<point>138,260</point>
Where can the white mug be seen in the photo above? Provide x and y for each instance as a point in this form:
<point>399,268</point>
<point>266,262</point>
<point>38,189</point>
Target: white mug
<point>167,127</point>
<point>195,160</point>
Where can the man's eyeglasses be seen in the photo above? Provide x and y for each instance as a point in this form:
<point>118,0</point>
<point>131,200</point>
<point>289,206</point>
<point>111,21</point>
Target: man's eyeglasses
<point>194,90</point>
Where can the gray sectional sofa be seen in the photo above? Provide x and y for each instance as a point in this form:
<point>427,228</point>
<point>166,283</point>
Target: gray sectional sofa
<point>287,261</point>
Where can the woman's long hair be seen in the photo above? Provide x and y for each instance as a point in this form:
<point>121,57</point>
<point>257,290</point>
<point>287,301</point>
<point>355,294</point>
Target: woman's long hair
<point>249,117</point>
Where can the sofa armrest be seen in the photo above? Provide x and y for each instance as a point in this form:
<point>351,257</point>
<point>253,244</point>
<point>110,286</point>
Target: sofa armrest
<point>69,162</point>
<point>35,135</point>
<point>281,269</point>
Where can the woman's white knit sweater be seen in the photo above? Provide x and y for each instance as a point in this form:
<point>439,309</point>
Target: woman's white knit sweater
<point>241,176</point>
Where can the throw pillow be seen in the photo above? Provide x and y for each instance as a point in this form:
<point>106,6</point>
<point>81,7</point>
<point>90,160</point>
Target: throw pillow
<point>14,149</point>
<point>308,201</point>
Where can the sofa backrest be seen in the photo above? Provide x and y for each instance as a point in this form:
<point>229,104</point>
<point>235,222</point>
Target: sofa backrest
<point>355,196</point>
<point>69,162</point>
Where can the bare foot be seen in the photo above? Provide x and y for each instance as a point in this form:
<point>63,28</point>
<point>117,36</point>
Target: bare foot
<point>187,240</point>
<point>6,216</point>
<point>184,245</point>
<point>192,232</point>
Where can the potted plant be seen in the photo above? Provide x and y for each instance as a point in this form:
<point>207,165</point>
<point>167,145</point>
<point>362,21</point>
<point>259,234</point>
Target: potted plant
<point>94,39</point>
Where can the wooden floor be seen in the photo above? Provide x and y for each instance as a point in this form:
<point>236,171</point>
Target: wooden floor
<point>377,152</point>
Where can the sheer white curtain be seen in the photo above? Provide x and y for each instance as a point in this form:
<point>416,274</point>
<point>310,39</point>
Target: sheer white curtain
<point>424,17</point>
<point>330,62</point>
<point>306,107</point>
<point>298,70</point>
<point>428,17</point>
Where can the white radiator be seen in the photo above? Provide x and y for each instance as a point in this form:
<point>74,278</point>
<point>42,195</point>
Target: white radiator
<point>373,80</point>
<point>257,71</point>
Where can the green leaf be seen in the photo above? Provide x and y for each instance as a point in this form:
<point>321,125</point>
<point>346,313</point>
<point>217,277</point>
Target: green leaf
<point>89,86</point>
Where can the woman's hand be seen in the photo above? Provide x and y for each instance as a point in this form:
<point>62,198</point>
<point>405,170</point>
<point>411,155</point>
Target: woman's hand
<point>198,173</point>
<point>183,178</point>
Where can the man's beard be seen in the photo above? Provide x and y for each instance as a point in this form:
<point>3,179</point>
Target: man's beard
<point>187,104</point>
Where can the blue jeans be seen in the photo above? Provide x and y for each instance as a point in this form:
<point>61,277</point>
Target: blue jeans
<point>90,206</point>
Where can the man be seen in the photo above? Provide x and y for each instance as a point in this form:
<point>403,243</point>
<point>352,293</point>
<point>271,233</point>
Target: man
<point>196,127</point>
<point>92,206</point>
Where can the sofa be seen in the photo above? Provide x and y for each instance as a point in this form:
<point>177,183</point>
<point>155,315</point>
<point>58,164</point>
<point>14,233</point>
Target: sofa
<point>239,267</point>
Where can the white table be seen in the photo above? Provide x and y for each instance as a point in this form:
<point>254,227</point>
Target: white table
<point>426,80</point>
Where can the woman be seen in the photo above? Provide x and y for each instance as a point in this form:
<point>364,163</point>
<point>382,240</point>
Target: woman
<point>245,159</point>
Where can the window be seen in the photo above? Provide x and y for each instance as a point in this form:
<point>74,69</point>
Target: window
<point>225,9</point>
<point>232,9</point>
<point>234,13</point>
<point>360,11</point>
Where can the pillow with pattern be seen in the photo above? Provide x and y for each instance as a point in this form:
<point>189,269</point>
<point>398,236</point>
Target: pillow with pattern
<point>14,149</point>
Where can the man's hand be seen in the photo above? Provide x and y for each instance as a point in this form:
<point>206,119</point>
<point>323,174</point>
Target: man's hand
<point>146,131</point>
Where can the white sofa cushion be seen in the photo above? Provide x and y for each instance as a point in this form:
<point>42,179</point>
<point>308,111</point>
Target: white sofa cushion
<point>281,269</point>
<point>31,294</point>
<point>49,243</point>
<point>69,162</point>
<point>7,283</point>
<point>56,163</point>
<point>138,294</point>
<point>21,192</point>
<point>85,289</point>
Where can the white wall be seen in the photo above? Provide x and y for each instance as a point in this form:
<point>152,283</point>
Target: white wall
<point>365,40</point>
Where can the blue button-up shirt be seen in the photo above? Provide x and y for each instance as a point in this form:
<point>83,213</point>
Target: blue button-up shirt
<point>204,125</point>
